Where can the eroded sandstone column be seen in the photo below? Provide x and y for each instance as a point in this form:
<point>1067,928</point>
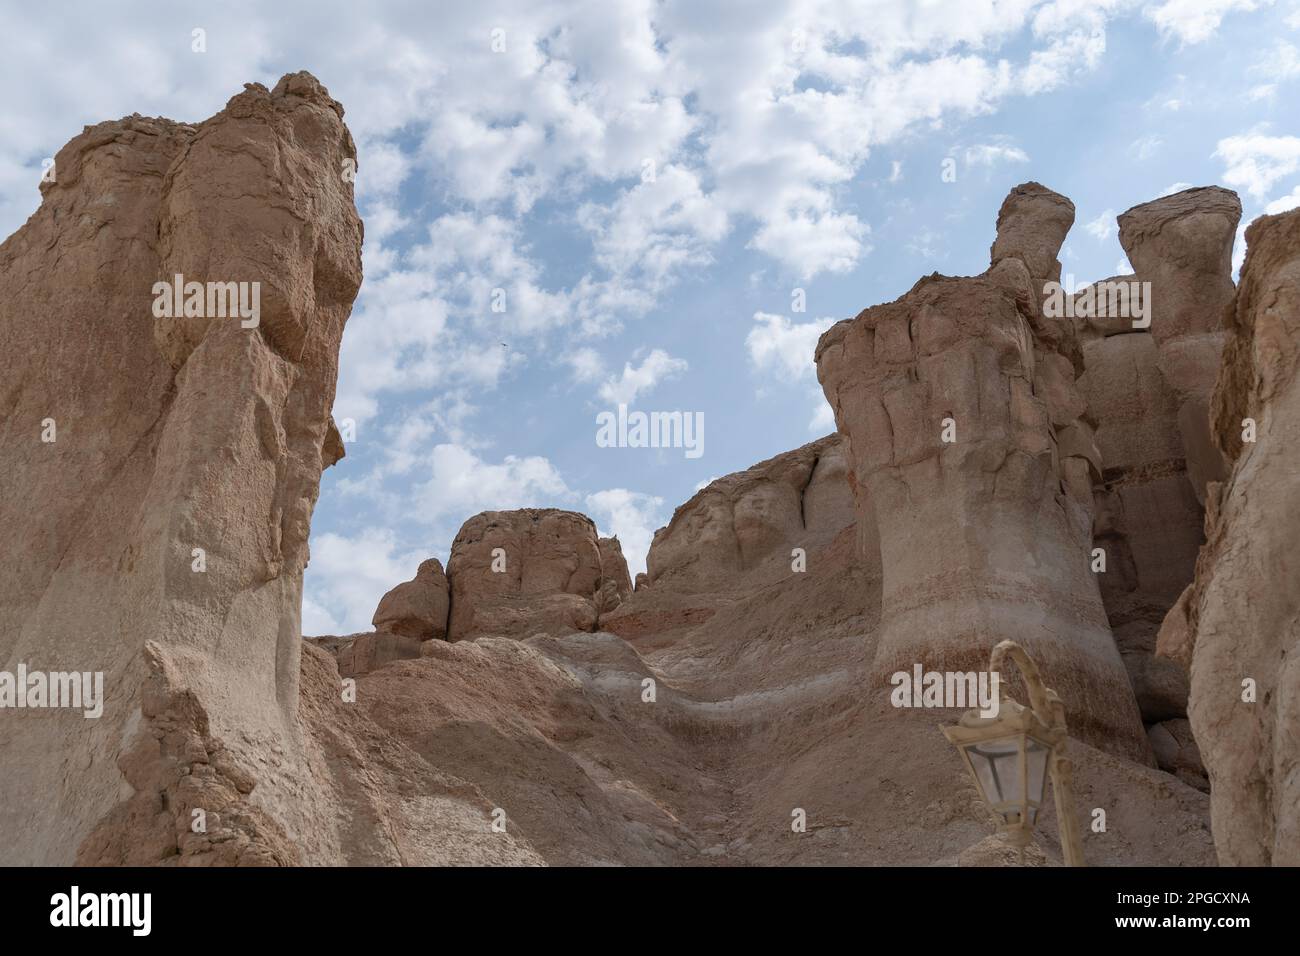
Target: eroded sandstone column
<point>163,533</point>
<point>968,434</point>
<point>1240,621</point>
<point>1182,245</point>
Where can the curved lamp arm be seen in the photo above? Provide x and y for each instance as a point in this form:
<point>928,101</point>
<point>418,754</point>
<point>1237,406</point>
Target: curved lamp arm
<point>1038,699</point>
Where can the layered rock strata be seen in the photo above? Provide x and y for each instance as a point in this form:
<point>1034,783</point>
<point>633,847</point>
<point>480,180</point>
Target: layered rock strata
<point>969,438</point>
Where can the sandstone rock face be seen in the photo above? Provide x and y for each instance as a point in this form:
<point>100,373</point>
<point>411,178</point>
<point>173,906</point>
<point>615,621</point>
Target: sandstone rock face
<point>964,429</point>
<point>417,608</point>
<point>1182,245</point>
<point>517,573</point>
<point>739,679</point>
<point>1242,615</point>
<point>796,499</point>
<point>172,504</point>
<point>1148,391</point>
<point>614,566</point>
<point>1176,752</point>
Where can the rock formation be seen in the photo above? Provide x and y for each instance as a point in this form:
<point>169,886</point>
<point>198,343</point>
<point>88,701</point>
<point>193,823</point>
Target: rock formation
<point>1147,383</point>
<point>530,706</point>
<point>1240,620</point>
<point>417,608</point>
<point>169,467</point>
<point>969,440</point>
<point>516,573</point>
<point>734,523</point>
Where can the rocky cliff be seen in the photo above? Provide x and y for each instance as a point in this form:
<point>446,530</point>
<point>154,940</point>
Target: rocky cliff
<point>527,705</point>
<point>1239,623</point>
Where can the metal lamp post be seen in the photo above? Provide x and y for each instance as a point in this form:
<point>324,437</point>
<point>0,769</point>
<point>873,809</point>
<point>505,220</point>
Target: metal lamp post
<point>1011,756</point>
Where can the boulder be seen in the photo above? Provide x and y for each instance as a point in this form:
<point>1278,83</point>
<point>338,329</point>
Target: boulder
<point>416,608</point>
<point>518,573</point>
<point>798,499</point>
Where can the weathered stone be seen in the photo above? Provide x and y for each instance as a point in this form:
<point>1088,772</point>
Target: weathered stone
<point>1182,245</point>
<point>1243,612</point>
<point>518,573</point>
<point>416,608</point>
<point>172,509</point>
<point>793,500</point>
<point>983,533</point>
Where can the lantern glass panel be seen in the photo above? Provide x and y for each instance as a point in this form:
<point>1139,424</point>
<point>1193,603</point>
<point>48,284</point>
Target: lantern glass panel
<point>997,768</point>
<point>1036,759</point>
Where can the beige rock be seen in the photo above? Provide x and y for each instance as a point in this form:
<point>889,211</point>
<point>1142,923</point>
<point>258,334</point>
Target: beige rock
<point>517,573</point>
<point>759,668</point>
<point>613,567</point>
<point>173,434</point>
<point>796,500</point>
<point>1176,752</point>
<point>1182,245</point>
<point>368,652</point>
<point>417,608</point>
<point>1243,613</point>
<point>985,536</point>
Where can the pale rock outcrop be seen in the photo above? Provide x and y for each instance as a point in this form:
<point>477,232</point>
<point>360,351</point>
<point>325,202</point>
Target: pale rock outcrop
<point>368,652</point>
<point>417,608</point>
<point>164,529</point>
<point>613,566</point>
<point>965,431</point>
<point>518,573</point>
<point>1147,390</point>
<point>616,583</point>
<point>1182,245</point>
<point>1240,621</point>
<point>797,499</point>
<point>1176,752</point>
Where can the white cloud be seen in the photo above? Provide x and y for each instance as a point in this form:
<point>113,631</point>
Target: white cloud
<point>1103,227</point>
<point>823,420</point>
<point>586,364</point>
<point>1255,161</point>
<point>777,344</point>
<point>1145,147</point>
<point>632,517</point>
<point>1284,203</point>
<point>460,484</point>
<point>348,575</point>
<point>1239,249</point>
<point>1194,21</point>
<point>990,154</point>
<point>1173,188</point>
<point>658,366</point>
<point>656,228</point>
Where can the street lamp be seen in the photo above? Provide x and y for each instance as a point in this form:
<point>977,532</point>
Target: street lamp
<point>1012,754</point>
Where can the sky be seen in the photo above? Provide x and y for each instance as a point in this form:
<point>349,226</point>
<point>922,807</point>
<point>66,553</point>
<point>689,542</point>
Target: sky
<point>575,206</point>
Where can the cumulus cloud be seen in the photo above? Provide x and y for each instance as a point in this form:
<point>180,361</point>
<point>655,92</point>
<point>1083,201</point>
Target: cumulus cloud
<point>461,484</point>
<point>991,154</point>
<point>1255,161</point>
<point>347,576</point>
<point>1103,227</point>
<point>632,517</point>
<point>1194,21</point>
<point>1284,203</point>
<point>658,366</point>
<point>585,364</point>
<point>778,344</point>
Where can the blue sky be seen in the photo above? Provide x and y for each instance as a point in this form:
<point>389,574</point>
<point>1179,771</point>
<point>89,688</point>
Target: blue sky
<point>649,183</point>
